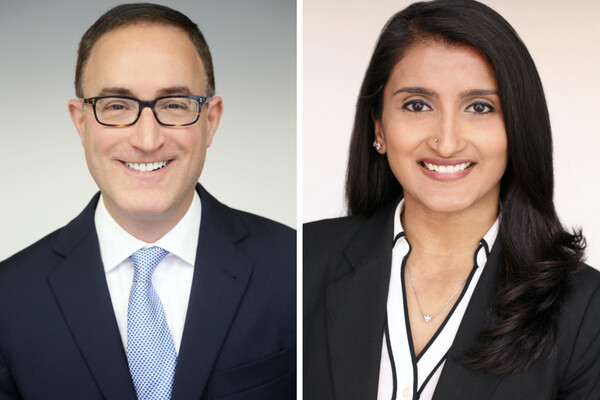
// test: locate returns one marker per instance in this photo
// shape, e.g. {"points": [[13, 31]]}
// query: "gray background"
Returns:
{"points": [[251, 164]]}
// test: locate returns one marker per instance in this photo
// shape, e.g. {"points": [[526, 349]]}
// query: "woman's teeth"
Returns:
{"points": [[447, 169]]}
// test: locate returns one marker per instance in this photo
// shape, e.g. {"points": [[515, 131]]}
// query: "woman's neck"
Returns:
{"points": [[444, 243]]}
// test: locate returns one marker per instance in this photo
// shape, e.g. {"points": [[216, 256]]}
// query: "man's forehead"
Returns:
{"points": [[146, 36], [131, 56], [136, 29]]}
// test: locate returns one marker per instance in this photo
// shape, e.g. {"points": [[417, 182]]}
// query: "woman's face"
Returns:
{"points": [[443, 130]]}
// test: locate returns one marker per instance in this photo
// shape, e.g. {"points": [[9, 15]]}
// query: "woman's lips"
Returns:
{"points": [[446, 170]]}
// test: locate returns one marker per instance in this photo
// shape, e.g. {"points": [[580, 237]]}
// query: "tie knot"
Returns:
{"points": [[145, 261]]}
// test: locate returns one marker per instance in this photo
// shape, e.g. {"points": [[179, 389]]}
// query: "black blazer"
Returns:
{"points": [[347, 263], [59, 338]]}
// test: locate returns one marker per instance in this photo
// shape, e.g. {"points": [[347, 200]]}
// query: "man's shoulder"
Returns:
{"points": [[23, 276], [261, 225], [227, 218], [267, 240], [40, 250], [43, 255], [269, 246]]}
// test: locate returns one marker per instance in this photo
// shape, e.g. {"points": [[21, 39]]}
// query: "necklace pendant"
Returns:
{"points": [[427, 318]]}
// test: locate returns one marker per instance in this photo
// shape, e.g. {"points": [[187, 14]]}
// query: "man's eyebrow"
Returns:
{"points": [[117, 91], [120, 91], [173, 90], [415, 90]]}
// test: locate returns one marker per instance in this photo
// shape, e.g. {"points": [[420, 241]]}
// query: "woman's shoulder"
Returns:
{"points": [[330, 236], [585, 286], [341, 230], [582, 301], [332, 225], [579, 335], [581, 311]]}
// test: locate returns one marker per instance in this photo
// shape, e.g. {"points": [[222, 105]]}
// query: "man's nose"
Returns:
{"points": [[147, 134]]}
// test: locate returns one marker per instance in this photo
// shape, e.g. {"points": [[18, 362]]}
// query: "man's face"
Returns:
{"points": [[145, 61]]}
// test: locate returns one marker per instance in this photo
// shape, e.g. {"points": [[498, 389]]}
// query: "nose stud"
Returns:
{"points": [[435, 140]]}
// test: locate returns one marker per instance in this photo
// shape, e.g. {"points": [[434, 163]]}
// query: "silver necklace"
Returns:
{"points": [[429, 317]]}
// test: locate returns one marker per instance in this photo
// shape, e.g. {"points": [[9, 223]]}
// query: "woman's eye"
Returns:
{"points": [[416, 106], [480, 108]]}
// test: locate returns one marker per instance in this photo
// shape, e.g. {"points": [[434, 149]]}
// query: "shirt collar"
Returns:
{"points": [[481, 254], [116, 244]]}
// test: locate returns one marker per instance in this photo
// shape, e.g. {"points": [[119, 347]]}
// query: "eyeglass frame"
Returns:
{"points": [[143, 104]]}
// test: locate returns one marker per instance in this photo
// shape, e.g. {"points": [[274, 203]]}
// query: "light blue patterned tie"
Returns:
{"points": [[150, 349]]}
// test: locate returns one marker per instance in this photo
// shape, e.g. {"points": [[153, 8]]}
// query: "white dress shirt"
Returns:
{"points": [[172, 278], [417, 377]]}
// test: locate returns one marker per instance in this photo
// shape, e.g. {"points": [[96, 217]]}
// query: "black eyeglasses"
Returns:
{"points": [[122, 111]]}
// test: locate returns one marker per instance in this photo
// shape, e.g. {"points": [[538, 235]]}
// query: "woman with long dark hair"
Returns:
{"points": [[452, 277]]}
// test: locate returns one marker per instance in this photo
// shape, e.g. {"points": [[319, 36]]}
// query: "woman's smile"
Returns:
{"points": [[446, 170]]}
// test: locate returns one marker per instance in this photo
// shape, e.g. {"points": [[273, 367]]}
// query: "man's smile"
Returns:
{"points": [[147, 167]]}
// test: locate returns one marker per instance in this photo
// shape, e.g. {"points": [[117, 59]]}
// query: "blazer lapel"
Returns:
{"points": [[221, 274], [481, 385], [79, 286], [356, 309]]}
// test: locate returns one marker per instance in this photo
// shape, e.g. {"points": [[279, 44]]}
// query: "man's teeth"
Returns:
{"points": [[146, 167], [447, 169]]}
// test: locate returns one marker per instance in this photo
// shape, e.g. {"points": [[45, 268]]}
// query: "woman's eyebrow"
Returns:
{"points": [[415, 90], [464, 94], [479, 92]]}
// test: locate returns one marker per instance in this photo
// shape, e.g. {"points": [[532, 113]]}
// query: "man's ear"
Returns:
{"points": [[214, 110], [76, 112], [379, 134]]}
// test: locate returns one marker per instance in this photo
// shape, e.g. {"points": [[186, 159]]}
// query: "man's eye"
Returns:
{"points": [[416, 106], [115, 107], [480, 108], [175, 106]]}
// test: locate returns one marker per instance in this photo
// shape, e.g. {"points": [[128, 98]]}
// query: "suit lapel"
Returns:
{"points": [[480, 385], [79, 286], [356, 309], [221, 274]]}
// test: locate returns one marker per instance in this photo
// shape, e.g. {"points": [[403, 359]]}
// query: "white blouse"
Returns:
{"points": [[402, 375]]}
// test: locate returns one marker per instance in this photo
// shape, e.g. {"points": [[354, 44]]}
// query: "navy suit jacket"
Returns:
{"points": [[59, 337], [347, 264]]}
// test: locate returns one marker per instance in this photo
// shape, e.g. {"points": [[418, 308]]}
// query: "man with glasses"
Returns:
{"points": [[156, 290]]}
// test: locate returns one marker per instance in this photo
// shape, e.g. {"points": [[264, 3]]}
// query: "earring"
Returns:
{"points": [[377, 145]]}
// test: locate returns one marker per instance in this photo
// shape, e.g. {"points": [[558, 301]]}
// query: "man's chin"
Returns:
{"points": [[137, 207]]}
